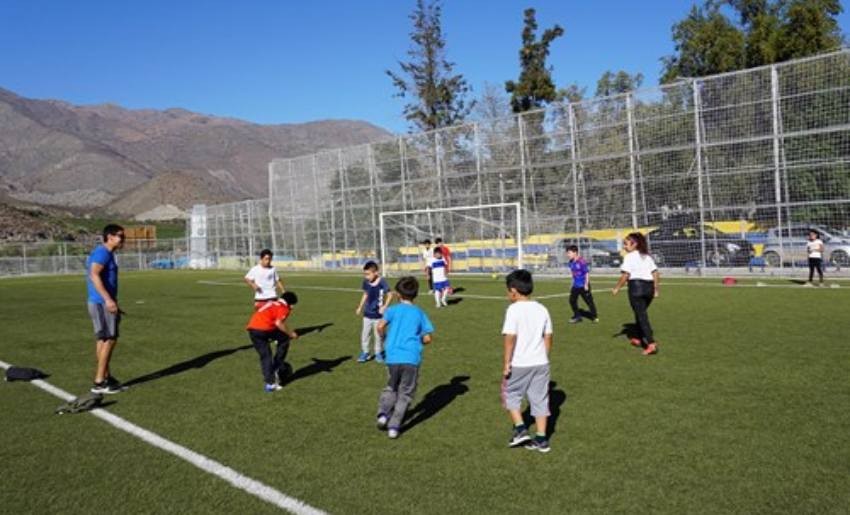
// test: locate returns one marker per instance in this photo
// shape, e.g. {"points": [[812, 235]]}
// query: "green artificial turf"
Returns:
{"points": [[743, 410]]}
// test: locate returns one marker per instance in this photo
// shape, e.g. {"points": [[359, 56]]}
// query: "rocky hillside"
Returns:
{"points": [[129, 162]]}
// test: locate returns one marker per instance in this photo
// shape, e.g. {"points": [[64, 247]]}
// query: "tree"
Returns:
{"points": [[809, 27], [706, 42], [535, 87], [611, 83], [428, 77]]}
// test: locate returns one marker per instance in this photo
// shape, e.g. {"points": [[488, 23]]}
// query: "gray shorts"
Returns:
{"points": [[105, 323], [529, 382]]}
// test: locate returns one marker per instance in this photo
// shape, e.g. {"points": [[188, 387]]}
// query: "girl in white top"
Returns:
{"points": [[814, 248], [639, 270], [263, 279]]}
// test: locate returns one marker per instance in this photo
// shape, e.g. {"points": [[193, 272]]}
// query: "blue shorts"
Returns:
{"points": [[442, 285]]}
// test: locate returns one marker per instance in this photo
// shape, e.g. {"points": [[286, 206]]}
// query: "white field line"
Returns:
{"points": [[200, 461]]}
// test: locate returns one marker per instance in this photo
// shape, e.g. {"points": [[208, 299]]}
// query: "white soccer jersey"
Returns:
{"points": [[438, 270], [266, 279]]}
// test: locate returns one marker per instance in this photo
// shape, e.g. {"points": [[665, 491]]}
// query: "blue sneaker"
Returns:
{"points": [[363, 358], [379, 357], [271, 388]]}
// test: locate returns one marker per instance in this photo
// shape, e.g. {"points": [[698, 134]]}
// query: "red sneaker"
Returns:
{"points": [[635, 341], [650, 349]]}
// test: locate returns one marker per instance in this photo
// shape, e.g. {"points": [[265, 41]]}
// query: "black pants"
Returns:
{"points": [[262, 343], [815, 264], [641, 294], [430, 280], [587, 296]]}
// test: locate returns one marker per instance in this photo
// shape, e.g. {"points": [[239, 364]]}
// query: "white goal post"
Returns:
{"points": [[482, 238]]}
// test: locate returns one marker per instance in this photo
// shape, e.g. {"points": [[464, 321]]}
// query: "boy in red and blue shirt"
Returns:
{"points": [[581, 287]]}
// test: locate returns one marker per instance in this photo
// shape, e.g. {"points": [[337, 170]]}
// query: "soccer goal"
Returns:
{"points": [[481, 238]]}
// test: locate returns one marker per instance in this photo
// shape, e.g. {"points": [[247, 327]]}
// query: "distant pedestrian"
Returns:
{"points": [[814, 248]]}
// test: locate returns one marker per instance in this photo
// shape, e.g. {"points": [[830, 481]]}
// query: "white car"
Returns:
{"points": [[794, 239]]}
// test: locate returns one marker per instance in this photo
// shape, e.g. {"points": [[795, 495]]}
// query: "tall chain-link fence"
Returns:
{"points": [[722, 173]]}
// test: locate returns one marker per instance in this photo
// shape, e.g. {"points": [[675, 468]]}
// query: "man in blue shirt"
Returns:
{"points": [[102, 282], [581, 287], [407, 330]]}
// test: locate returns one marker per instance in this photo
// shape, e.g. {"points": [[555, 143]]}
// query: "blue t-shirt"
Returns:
{"points": [[375, 297], [580, 270], [407, 324], [108, 275]]}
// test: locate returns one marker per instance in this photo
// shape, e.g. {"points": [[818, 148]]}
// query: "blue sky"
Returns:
{"points": [[286, 61]]}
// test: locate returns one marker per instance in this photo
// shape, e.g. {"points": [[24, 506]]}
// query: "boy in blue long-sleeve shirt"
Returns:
{"points": [[581, 287]]}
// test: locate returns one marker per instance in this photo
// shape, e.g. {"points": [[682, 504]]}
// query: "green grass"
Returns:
{"points": [[744, 409]]}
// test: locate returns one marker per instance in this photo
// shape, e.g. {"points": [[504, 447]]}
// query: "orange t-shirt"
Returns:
{"points": [[267, 317]]}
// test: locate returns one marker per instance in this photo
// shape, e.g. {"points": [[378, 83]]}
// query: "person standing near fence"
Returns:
{"points": [[427, 256], [814, 248], [102, 285], [639, 270]]}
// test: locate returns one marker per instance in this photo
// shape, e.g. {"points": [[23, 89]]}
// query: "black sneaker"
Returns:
{"points": [[113, 382], [104, 387], [519, 438], [538, 445]]}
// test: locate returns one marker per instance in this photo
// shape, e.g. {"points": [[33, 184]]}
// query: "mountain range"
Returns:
{"points": [[147, 163]]}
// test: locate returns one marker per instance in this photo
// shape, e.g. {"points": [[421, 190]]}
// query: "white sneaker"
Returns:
{"points": [[446, 304], [392, 433], [382, 421]]}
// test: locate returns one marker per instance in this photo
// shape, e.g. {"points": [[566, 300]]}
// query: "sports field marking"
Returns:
{"points": [[202, 462]]}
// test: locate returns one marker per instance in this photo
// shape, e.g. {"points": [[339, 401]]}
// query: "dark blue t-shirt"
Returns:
{"points": [[580, 270], [375, 297], [108, 275], [406, 325]]}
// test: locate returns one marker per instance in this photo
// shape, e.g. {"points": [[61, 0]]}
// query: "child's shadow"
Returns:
{"points": [[630, 330], [434, 401], [318, 366], [557, 398]]}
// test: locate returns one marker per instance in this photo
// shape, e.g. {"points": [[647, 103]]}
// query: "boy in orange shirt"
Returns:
{"points": [[269, 323]]}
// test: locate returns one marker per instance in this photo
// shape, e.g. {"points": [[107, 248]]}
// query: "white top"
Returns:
{"points": [[266, 279], [639, 266], [427, 254], [529, 321], [438, 270], [813, 248]]}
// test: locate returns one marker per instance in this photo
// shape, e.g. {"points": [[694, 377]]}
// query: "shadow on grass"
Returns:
{"points": [[458, 290], [316, 367], [198, 362], [434, 401], [557, 398], [452, 302], [313, 328]]}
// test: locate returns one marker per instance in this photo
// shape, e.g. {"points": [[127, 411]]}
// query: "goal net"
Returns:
{"points": [[481, 238]]}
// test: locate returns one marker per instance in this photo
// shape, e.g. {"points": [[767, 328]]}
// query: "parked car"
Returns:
{"points": [[676, 242], [793, 249], [597, 253]]}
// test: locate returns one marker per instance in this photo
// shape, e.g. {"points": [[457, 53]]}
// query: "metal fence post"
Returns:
{"points": [[632, 178], [774, 96], [698, 138]]}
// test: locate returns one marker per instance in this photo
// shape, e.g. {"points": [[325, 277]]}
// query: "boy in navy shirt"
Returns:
{"points": [[376, 297], [581, 286], [407, 330]]}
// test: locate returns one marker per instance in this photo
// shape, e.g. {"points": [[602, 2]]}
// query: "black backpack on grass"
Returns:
{"points": [[24, 374]]}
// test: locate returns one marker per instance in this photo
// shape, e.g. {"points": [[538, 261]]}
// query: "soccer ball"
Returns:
{"points": [[494, 275]]}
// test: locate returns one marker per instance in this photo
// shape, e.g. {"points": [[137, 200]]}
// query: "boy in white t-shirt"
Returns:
{"points": [[527, 335], [263, 280]]}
